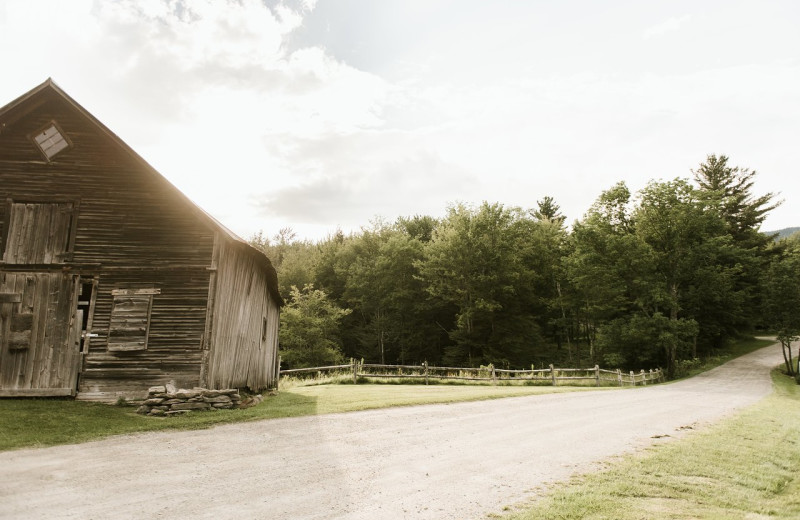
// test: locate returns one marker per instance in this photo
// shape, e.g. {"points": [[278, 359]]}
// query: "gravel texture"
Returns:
{"points": [[455, 461]]}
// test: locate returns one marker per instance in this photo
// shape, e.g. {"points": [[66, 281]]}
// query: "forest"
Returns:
{"points": [[657, 278]]}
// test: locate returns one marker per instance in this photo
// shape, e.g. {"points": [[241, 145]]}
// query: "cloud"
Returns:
{"points": [[347, 179], [673, 24], [282, 113], [172, 50], [142, 67]]}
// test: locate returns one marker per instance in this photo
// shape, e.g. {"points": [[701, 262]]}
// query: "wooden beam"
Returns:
{"points": [[10, 297], [135, 292], [37, 392]]}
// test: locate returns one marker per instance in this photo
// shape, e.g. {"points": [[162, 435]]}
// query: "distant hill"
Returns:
{"points": [[784, 233]]}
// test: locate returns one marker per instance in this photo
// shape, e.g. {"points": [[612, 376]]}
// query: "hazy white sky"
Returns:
{"points": [[324, 114]]}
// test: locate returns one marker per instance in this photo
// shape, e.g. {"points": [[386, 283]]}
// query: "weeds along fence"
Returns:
{"points": [[358, 370]]}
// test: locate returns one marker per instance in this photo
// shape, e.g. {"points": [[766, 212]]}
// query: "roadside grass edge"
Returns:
{"points": [[41, 422], [743, 467]]}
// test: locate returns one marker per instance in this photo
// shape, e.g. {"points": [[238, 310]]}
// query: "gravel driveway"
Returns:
{"points": [[456, 461]]}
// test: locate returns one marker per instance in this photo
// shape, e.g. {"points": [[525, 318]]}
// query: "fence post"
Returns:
{"points": [[633, 378], [494, 374], [644, 378], [425, 364], [355, 370], [278, 375], [619, 377], [651, 375], [597, 375], [553, 374]]}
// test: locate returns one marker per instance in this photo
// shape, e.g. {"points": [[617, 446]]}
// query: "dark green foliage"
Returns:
{"points": [[418, 227], [729, 191], [547, 209], [782, 299], [670, 257], [476, 263], [295, 261], [657, 278], [393, 319], [731, 188], [642, 340], [310, 329]]}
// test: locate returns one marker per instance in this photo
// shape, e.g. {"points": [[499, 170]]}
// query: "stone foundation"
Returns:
{"points": [[167, 400]]}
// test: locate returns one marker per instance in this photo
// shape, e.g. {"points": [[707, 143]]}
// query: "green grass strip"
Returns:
{"points": [[48, 422], [744, 468]]}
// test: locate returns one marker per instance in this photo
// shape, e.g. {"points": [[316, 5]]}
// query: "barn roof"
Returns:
{"points": [[40, 94]]}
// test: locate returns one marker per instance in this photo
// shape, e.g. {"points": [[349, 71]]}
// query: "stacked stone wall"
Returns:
{"points": [[167, 400]]}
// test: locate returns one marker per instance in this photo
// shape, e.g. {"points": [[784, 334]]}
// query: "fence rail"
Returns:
{"points": [[551, 375]]}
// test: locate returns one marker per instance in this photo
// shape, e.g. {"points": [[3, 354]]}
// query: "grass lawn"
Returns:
{"points": [[744, 468], [46, 422]]}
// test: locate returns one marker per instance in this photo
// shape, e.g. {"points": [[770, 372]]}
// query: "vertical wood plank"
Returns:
{"points": [[5, 229], [243, 298]]}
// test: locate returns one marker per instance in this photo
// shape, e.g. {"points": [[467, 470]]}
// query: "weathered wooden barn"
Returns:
{"points": [[112, 280]]}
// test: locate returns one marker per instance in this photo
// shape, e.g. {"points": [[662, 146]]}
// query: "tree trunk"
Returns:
{"points": [[785, 358], [564, 320], [672, 347], [589, 341]]}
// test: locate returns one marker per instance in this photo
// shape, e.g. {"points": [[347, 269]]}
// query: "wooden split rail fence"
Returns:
{"points": [[550, 376]]}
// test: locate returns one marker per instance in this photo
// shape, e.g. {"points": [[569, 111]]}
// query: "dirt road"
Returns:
{"points": [[427, 462]]}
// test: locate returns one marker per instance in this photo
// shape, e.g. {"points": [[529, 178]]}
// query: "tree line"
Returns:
{"points": [[656, 278]]}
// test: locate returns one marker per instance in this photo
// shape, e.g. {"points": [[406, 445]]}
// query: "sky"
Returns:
{"points": [[332, 114]]}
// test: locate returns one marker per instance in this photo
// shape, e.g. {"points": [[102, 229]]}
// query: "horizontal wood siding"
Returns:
{"points": [[128, 215], [132, 230], [241, 355], [173, 351]]}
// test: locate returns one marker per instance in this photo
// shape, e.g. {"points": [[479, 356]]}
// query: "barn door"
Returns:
{"points": [[39, 343], [38, 233]]}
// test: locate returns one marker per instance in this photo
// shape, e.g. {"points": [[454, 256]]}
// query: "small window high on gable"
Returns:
{"points": [[51, 140]]}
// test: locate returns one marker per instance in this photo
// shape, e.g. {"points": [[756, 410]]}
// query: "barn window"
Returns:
{"points": [[38, 233], [51, 140], [129, 326]]}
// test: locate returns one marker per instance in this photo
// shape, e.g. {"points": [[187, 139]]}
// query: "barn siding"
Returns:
{"points": [[41, 353], [134, 230], [239, 356], [174, 344], [128, 215]]}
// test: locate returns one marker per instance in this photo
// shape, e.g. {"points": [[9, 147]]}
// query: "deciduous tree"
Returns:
{"points": [[309, 332], [782, 299]]}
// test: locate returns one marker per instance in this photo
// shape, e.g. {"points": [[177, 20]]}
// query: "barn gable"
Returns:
{"points": [[108, 273]]}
